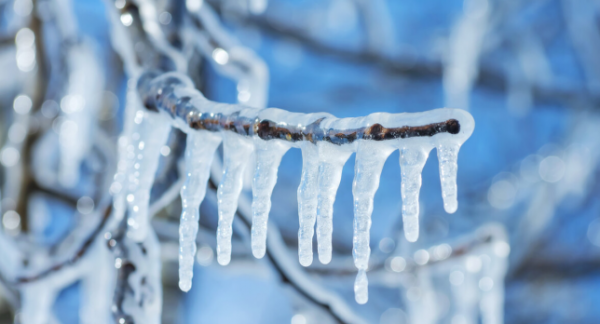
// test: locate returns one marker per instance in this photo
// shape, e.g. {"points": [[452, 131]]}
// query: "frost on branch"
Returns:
{"points": [[326, 143]]}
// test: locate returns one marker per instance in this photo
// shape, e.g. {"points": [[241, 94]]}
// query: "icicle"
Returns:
{"points": [[235, 152], [199, 152], [331, 163], [412, 161], [307, 202], [448, 159], [149, 136], [268, 157], [370, 158]]}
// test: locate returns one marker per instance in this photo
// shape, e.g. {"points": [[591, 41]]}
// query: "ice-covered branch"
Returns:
{"points": [[229, 57], [77, 255], [326, 143], [138, 293]]}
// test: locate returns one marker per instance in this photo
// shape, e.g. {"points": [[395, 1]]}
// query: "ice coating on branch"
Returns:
{"points": [[422, 308], [235, 152], [473, 272], [326, 143], [79, 108], [412, 161], [125, 162], [150, 134], [493, 272], [231, 58], [331, 163], [37, 302], [199, 152]]}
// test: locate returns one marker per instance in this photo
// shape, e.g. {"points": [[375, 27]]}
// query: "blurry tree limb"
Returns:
{"points": [[414, 66]]}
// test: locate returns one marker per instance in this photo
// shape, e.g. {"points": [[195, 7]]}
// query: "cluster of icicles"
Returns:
{"points": [[326, 143]]}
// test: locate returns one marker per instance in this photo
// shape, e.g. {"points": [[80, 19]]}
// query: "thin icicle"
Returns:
{"points": [[235, 152], [448, 159], [199, 152], [268, 157], [149, 136], [412, 161], [307, 202], [370, 158], [331, 163]]}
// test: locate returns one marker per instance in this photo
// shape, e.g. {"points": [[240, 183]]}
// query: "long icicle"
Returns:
{"points": [[235, 152], [331, 164], [307, 203], [370, 159], [199, 152], [268, 158]]}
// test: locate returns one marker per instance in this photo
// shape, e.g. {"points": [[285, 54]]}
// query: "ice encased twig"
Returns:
{"points": [[326, 143], [80, 106]]}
